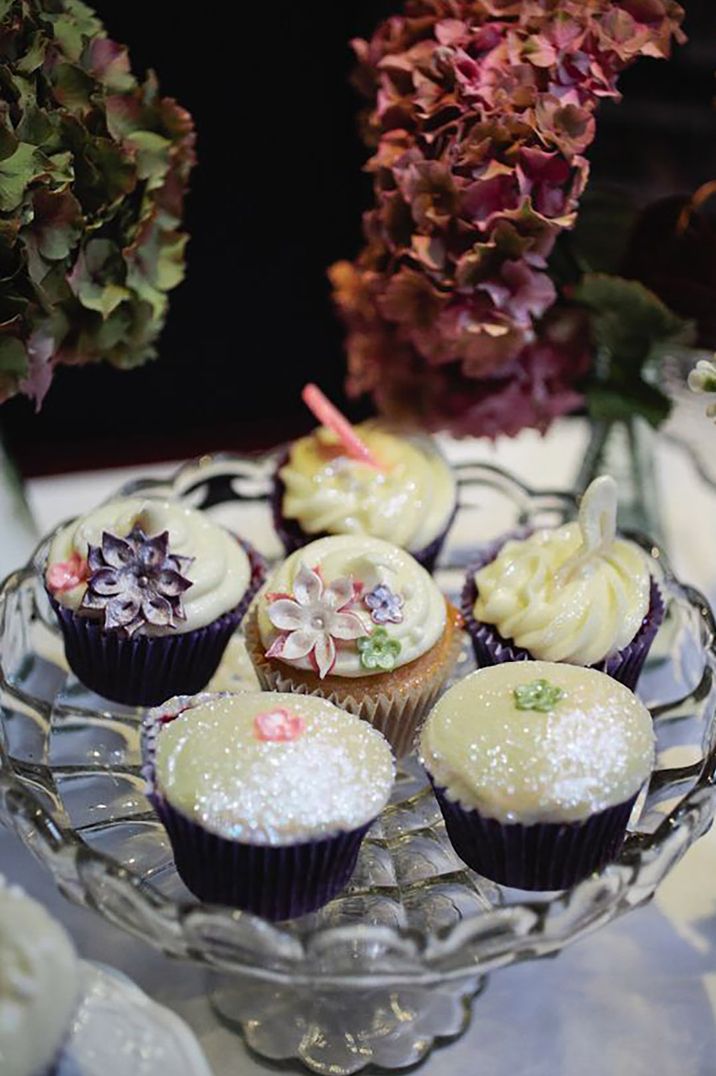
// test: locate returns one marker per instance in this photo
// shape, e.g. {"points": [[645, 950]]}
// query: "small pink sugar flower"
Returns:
{"points": [[278, 726]]}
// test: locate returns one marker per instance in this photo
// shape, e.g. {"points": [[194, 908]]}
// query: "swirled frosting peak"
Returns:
{"points": [[148, 567], [409, 500], [350, 606], [576, 594]]}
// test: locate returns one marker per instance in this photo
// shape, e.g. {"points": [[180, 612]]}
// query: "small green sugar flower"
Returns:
{"points": [[538, 695], [378, 650]]}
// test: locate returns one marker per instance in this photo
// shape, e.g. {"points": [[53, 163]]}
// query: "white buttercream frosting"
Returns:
{"points": [[593, 749], [577, 593], [408, 501], [367, 563], [39, 984], [317, 771], [220, 571]]}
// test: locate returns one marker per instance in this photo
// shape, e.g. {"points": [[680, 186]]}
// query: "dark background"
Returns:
{"points": [[276, 197]]}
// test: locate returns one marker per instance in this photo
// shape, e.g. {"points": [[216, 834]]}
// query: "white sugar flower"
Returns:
{"points": [[703, 377], [313, 619]]}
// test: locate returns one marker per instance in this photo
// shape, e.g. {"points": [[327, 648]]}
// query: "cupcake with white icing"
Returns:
{"points": [[357, 621], [39, 985], [409, 499], [578, 593], [537, 767], [266, 797], [148, 593]]}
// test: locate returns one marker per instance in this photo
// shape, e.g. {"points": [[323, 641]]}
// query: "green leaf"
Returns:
{"points": [[16, 172], [628, 320], [622, 403], [13, 357], [604, 224]]}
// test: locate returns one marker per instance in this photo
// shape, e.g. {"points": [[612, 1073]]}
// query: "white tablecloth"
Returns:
{"points": [[636, 999]]}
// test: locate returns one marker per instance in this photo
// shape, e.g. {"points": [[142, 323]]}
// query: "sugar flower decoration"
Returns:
{"points": [[538, 695], [135, 582], [313, 619], [378, 650], [67, 574], [702, 379], [385, 606], [278, 726]]}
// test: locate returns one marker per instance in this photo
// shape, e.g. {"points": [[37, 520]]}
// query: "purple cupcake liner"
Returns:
{"points": [[543, 856], [144, 670], [294, 537], [492, 649], [276, 882]]}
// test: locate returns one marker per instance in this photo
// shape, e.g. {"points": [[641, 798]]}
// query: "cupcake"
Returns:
{"points": [[265, 798], [359, 622], [410, 499], [578, 594], [147, 593], [536, 767], [39, 985]]}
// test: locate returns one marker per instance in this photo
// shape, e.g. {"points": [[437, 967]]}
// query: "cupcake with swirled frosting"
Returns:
{"points": [[537, 767], [265, 797], [357, 621], [411, 500], [148, 593], [579, 594], [39, 985]]}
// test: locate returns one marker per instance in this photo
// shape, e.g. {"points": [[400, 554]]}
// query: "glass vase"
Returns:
{"points": [[19, 532]]}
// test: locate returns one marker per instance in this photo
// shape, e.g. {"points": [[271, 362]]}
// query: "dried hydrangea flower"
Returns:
{"points": [[480, 115], [135, 582]]}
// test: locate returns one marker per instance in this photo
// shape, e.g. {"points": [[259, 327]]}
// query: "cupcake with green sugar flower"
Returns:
{"points": [[580, 593], [359, 622]]}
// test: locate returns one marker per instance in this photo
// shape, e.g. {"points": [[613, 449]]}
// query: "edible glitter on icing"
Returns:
{"points": [[278, 726], [538, 695], [210, 765], [592, 751], [378, 650], [386, 607]]}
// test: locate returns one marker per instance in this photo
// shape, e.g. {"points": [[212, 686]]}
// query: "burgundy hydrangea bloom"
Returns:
{"points": [[481, 111], [135, 582]]}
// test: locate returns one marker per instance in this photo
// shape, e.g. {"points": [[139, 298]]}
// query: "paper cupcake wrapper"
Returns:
{"points": [[398, 713], [144, 670], [492, 649], [294, 537], [274, 882], [543, 856]]}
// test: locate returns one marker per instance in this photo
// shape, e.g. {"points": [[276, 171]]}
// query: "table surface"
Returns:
{"points": [[636, 999]]}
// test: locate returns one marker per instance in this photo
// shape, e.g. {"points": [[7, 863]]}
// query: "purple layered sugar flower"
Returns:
{"points": [[386, 607], [136, 582]]}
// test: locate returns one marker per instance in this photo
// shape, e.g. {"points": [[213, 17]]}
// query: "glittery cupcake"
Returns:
{"points": [[578, 594], [39, 985], [410, 499], [266, 798], [148, 593], [359, 622], [537, 767]]}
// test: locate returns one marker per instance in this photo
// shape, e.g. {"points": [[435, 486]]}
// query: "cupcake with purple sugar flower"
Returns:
{"points": [[148, 593], [579, 593], [265, 797]]}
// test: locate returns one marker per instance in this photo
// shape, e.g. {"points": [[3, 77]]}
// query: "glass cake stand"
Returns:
{"points": [[393, 963]]}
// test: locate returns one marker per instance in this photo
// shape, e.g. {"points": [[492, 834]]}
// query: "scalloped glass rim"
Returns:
{"points": [[360, 953]]}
